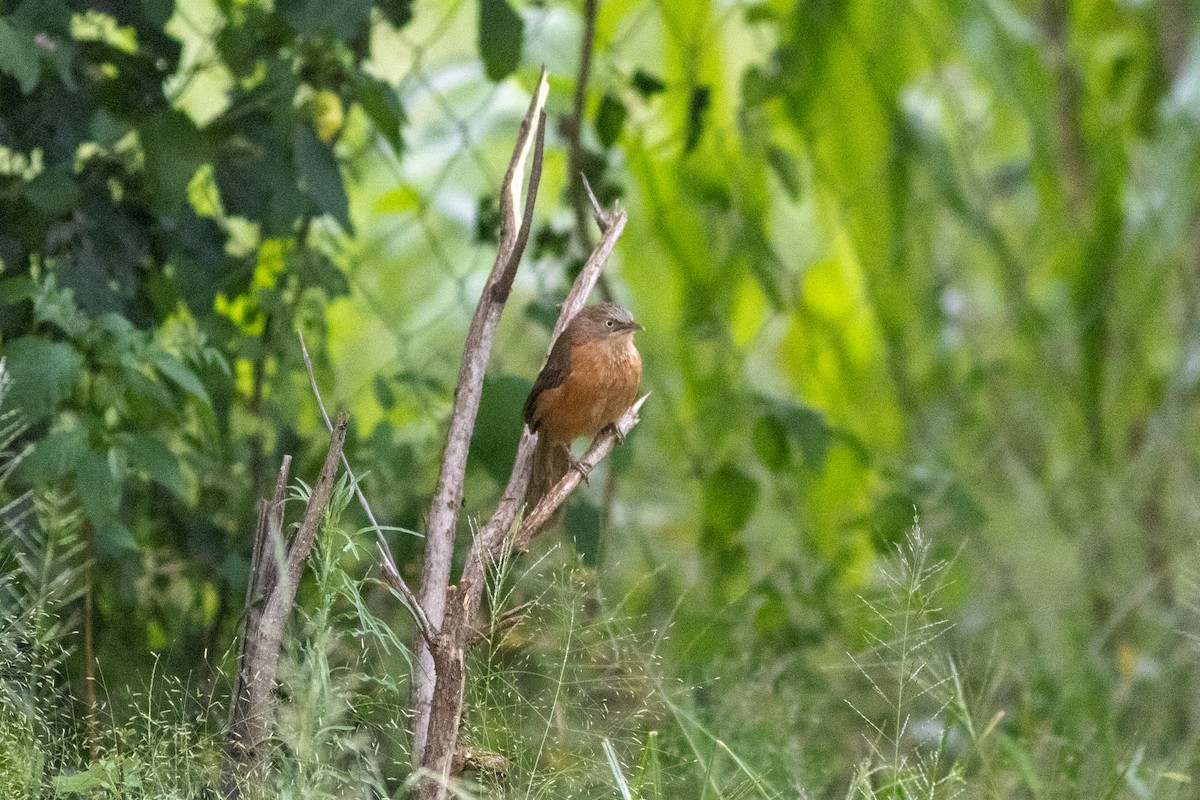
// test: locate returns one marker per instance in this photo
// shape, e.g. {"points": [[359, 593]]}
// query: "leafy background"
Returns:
{"points": [[898, 259]]}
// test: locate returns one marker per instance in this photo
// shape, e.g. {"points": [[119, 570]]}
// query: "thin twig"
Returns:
{"points": [[550, 502], [390, 572], [597, 211]]}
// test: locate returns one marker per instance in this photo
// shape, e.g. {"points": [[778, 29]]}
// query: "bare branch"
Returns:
{"points": [[447, 499], [270, 596], [318, 501], [601, 447], [390, 573], [597, 211], [591, 271]]}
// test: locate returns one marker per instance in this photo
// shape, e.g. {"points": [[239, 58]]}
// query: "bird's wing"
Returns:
{"points": [[558, 366]]}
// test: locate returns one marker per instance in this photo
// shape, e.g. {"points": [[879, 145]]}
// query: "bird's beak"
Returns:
{"points": [[631, 326]]}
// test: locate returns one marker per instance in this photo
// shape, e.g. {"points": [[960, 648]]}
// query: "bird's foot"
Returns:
{"points": [[578, 465], [615, 431]]}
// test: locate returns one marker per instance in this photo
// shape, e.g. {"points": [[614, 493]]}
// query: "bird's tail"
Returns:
{"points": [[550, 463]]}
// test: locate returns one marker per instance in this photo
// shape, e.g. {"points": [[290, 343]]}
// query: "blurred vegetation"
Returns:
{"points": [[927, 259]]}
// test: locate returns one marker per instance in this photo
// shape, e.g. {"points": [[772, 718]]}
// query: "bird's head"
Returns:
{"points": [[603, 321]]}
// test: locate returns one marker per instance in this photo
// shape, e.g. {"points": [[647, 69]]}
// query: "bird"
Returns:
{"points": [[589, 380]]}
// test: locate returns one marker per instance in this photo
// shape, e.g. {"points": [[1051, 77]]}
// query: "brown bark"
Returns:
{"points": [[275, 571], [441, 524], [439, 677]]}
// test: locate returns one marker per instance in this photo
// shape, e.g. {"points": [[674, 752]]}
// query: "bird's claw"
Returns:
{"points": [[578, 465], [615, 431], [583, 469]]}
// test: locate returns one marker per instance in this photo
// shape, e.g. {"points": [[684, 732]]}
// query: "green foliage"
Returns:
{"points": [[935, 257], [500, 35]]}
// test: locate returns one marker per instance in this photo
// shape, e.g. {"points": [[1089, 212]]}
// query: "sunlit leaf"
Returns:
{"points": [[398, 200]]}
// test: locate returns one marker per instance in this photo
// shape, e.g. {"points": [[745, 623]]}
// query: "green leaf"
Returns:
{"points": [[805, 426], [314, 268], [43, 375], [382, 104], [770, 440], [86, 782], [786, 169], [582, 524], [113, 539], [174, 149], [647, 85], [500, 35], [383, 392], [53, 192], [398, 12], [342, 20], [53, 457], [149, 455], [397, 201], [19, 56], [891, 519], [811, 432], [180, 375], [698, 106], [142, 391], [498, 427], [610, 119], [17, 289], [321, 177], [99, 492], [730, 498]]}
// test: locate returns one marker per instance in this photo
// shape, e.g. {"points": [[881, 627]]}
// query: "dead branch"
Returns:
{"points": [[447, 499], [550, 502], [572, 129], [275, 575], [439, 674], [441, 757]]}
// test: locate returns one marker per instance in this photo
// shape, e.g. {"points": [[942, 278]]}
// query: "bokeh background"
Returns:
{"points": [[912, 507]]}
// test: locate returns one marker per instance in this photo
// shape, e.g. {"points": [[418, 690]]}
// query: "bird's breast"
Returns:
{"points": [[601, 385]]}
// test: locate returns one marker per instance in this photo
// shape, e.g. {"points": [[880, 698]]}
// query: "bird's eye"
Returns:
{"points": [[608, 323]]}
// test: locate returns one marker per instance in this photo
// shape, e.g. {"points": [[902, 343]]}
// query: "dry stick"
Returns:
{"points": [[265, 560], [442, 757], [550, 502], [390, 572], [251, 717], [443, 512]]}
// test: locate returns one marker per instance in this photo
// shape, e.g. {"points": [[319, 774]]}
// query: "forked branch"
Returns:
{"points": [[441, 523]]}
